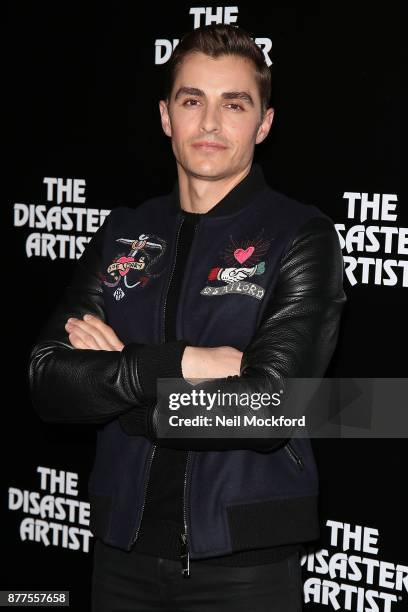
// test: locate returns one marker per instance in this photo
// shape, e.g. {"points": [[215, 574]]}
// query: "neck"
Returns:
{"points": [[199, 195]]}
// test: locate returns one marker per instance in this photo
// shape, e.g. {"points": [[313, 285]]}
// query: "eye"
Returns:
{"points": [[189, 100], [238, 106]]}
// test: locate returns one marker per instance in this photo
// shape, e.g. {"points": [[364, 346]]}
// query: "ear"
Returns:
{"points": [[165, 117], [265, 126]]}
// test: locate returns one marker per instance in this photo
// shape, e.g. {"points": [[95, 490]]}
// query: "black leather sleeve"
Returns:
{"points": [[297, 335], [69, 385]]}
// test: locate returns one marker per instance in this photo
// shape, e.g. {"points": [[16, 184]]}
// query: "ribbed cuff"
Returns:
{"points": [[159, 361], [134, 422], [153, 362]]}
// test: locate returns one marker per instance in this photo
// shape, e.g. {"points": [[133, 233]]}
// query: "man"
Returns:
{"points": [[224, 278]]}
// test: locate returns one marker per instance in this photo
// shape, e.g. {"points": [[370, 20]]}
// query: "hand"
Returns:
{"points": [[92, 333], [214, 362], [230, 275]]}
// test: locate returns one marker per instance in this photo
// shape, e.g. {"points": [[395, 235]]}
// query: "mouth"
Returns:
{"points": [[209, 146]]}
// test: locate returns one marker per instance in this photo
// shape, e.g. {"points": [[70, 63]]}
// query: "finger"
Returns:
{"points": [[101, 332], [105, 329], [88, 335], [77, 341], [98, 334]]}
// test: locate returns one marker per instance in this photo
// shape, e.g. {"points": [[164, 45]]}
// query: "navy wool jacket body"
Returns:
{"points": [[265, 277]]}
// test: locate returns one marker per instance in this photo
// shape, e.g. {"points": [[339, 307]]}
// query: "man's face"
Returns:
{"points": [[214, 101]]}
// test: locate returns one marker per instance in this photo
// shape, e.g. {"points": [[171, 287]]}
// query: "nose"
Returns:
{"points": [[210, 118]]}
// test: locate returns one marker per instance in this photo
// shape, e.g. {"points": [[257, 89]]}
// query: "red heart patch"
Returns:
{"points": [[242, 255], [124, 260]]}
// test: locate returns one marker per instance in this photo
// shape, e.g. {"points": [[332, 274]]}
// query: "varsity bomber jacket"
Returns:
{"points": [[265, 276]]}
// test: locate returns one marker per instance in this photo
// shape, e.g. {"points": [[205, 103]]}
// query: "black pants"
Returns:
{"points": [[133, 581]]}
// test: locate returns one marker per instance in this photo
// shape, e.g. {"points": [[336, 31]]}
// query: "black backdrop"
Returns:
{"points": [[83, 95]]}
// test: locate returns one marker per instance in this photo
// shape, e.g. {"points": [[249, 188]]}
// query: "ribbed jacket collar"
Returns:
{"points": [[239, 197]]}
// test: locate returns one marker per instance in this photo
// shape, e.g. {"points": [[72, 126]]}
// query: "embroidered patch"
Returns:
{"points": [[135, 267], [248, 253]]}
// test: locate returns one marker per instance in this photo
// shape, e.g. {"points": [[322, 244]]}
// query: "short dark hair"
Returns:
{"points": [[216, 40]]}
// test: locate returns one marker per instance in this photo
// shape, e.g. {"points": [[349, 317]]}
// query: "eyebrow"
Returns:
{"points": [[227, 95]]}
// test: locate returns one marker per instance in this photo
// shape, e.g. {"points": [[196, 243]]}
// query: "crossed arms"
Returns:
{"points": [[296, 338]]}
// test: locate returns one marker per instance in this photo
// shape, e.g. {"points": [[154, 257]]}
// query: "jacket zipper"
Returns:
{"points": [[144, 493], [294, 456], [154, 446], [170, 279], [185, 553]]}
